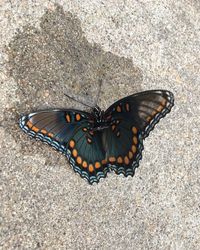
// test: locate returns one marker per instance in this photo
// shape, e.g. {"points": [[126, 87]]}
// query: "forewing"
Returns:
{"points": [[54, 127], [144, 109]]}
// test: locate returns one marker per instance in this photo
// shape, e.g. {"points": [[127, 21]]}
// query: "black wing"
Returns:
{"points": [[133, 118], [69, 131]]}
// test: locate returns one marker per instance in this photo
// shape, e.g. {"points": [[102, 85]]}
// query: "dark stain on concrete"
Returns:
{"points": [[57, 59]]}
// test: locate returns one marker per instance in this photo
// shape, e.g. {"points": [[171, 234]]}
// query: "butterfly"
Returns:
{"points": [[101, 141]]}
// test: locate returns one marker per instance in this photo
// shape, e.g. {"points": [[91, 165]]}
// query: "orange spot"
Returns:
{"points": [[127, 107], [154, 113], [148, 119], [35, 129], [97, 164], [118, 134], [134, 130], [113, 127], [43, 131], [160, 108], [104, 161], [72, 144], [74, 152], [164, 102], [29, 124], [79, 160], [89, 140], [84, 129], [84, 164], [133, 148], [91, 132], [126, 160], [135, 140], [91, 168], [112, 159], [119, 109], [78, 117], [119, 159], [130, 155], [68, 118], [50, 135]]}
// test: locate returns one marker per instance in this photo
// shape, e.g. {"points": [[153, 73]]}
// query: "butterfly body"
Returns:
{"points": [[98, 142], [98, 119]]}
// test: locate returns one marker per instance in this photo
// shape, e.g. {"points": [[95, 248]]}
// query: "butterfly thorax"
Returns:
{"points": [[99, 120]]}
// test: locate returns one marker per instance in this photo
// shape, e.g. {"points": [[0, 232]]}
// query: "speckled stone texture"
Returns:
{"points": [[49, 48]]}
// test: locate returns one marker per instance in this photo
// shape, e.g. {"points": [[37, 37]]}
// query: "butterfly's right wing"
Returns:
{"points": [[132, 119]]}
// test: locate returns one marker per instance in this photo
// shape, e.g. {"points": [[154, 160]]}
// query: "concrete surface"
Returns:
{"points": [[50, 49]]}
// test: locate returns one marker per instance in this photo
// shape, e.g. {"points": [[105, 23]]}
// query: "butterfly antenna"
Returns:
{"points": [[71, 97]]}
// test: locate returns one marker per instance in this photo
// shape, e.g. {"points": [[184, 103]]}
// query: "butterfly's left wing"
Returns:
{"points": [[133, 118], [69, 132]]}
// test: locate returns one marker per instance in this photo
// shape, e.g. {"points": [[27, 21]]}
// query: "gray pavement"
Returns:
{"points": [[50, 49]]}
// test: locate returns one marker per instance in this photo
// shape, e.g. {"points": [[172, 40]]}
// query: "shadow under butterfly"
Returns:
{"points": [[98, 142]]}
